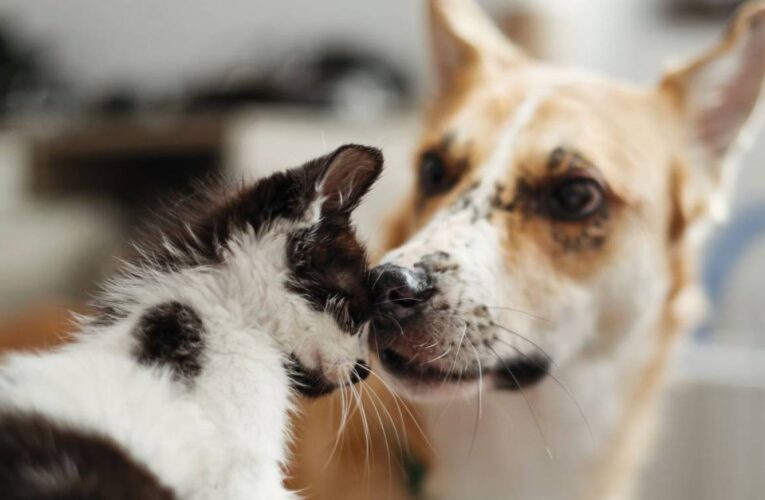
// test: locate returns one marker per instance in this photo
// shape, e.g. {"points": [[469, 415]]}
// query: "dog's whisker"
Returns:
{"points": [[521, 311], [451, 370], [445, 353], [402, 299], [562, 385], [526, 339], [459, 346], [377, 279], [429, 346], [398, 325], [480, 397], [528, 403]]}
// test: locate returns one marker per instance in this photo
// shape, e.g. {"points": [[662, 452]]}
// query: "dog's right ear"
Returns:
{"points": [[464, 38]]}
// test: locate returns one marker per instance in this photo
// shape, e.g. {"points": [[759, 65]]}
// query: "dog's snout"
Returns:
{"points": [[398, 291]]}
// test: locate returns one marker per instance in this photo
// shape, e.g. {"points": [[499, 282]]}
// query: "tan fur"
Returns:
{"points": [[638, 140]]}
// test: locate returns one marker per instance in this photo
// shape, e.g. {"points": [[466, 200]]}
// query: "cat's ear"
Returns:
{"points": [[348, 174]]}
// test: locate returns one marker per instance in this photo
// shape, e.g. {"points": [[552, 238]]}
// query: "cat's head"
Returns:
{"points": [[301, 220]]}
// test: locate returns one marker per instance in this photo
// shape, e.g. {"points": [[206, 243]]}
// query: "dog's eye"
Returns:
{"points": [[575, 198], [434, 176]]}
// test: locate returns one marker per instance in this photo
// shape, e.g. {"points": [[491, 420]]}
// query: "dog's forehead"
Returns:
{"points": [[623, 131]]}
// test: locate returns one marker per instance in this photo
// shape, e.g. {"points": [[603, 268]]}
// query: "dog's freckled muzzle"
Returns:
{"points": [[421, 337]]}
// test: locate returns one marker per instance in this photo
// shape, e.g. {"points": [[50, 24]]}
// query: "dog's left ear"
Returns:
{"points": [[463, 38], [349, 173], [716, 95]]}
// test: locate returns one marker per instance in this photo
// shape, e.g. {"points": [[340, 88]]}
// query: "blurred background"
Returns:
{"points": [[109, 109]]}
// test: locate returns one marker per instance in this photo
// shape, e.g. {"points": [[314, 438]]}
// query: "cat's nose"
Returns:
{"points": [[360, 371], [400, 292]]}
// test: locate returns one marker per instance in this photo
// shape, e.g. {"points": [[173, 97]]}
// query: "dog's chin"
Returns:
{"points": [[424, 383], [402, 364]]}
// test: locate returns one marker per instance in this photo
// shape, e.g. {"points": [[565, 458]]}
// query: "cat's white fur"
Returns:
{"points": [[224, 435]]}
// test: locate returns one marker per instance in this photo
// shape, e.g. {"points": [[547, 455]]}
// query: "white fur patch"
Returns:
{"points": [[224, 434]]}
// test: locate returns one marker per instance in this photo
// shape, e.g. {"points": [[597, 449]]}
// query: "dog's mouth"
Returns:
{"points": [[508, 374], [403, 367]]}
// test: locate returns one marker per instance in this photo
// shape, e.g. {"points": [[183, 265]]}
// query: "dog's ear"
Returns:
{"points": [[463, 37], [348, 174], [716, 95]]}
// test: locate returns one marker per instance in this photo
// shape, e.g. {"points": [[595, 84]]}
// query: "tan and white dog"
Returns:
{"points": [[544, 266]]}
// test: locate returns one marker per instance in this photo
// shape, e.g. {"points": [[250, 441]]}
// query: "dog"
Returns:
{"points": [[544, 266], [180, 384]]}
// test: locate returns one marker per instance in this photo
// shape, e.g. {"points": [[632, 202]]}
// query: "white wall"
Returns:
{"points": [[162, 44]]}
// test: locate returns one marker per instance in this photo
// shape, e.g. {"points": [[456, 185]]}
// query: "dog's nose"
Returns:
{"points": [[399, 292]]}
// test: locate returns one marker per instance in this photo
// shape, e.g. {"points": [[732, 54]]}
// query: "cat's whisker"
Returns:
{"points": [[368, 444], [344, 419], [396, 398], [384, 433], [408, 412]]}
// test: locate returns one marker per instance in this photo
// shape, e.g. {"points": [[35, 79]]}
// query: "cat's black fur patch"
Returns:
{"points": [[202, 225], [42, 460], [328, 264], [171, 334], [326, 260]]}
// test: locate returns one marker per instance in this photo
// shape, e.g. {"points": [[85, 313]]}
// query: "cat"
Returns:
{"points": [[181, 382]]}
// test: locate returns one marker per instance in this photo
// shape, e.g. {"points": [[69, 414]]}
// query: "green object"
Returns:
{"points": [[415, 473]]}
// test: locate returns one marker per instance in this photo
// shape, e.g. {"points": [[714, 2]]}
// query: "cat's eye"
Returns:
{"points": [[434, 175], [575, 198]]}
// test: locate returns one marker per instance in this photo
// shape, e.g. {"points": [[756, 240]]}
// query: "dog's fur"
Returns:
{"points": [[558, 219], [180, 385]]}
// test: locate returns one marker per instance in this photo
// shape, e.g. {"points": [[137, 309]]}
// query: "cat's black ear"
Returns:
{"points": [[348, 174]]}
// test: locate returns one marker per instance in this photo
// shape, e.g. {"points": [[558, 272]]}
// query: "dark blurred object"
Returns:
{"points": [[26, 83], [137, 163], [702, 8], [339, 77], [117, 102]]}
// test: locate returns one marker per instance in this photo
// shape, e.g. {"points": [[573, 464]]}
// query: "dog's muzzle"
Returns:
{"points": [[416, 333]]}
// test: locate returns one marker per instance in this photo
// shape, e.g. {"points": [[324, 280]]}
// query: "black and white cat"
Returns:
{"points": [[180, 386]]}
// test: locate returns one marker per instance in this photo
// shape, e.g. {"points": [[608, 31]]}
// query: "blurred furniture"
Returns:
{"points": [[133, 161]]}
